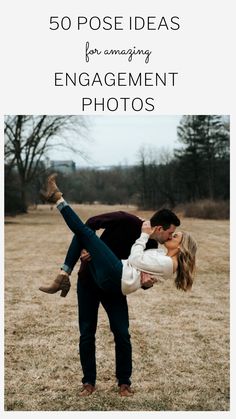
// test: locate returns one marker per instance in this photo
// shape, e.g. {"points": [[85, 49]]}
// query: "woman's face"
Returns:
{"points": [[174, 243]]}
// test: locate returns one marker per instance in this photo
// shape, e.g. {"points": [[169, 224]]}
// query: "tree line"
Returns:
{"points": [[197, 169]]}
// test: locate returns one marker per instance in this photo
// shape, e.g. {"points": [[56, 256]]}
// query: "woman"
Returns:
{"points": [[109, 272]]}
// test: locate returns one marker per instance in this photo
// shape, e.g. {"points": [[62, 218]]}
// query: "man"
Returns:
{"points": [[121, 230]]}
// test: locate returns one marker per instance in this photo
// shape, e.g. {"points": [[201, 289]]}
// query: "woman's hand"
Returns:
{"points": [[147, 228], [147, 280]]}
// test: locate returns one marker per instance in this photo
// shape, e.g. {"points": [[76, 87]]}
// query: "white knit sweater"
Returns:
{"points": [[152, 261]]}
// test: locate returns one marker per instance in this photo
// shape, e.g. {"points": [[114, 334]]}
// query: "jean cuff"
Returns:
{"points": [[66, 268], [62, 205]]}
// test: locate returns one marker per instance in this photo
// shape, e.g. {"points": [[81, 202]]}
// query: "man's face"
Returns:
{"points": [[162, 235]]}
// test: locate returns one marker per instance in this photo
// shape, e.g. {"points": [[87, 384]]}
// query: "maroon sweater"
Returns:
{"points": [[121, 230]]}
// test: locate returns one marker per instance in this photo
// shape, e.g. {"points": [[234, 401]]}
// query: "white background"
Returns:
{"points": [[202, 51]]}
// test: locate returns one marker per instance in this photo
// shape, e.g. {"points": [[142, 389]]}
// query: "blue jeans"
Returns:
{"points": [[72, 255], [105, 267]]}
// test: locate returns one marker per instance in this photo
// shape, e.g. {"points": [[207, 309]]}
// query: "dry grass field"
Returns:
{"points": [[180, 340]]}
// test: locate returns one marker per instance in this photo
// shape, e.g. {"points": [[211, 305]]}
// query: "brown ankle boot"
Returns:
{"points": [[52, 193], [61, 283]]}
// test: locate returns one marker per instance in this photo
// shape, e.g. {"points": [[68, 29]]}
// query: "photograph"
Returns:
{"points": [[117, 262]]}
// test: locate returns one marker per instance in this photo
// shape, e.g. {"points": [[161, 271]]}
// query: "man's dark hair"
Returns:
{"points": [[164, 218]]}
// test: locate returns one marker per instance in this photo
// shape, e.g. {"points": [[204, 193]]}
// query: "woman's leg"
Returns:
{"points": [[72, 255], [105, 266], [62, 281]]}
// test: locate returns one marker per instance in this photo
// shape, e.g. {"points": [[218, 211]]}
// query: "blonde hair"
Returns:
{"points": [[186, 263]]}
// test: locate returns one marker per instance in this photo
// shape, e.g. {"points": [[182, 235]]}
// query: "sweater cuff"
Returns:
{"points": [[144, 236]]}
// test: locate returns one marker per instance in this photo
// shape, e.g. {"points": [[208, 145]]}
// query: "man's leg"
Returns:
{"points": [[117, 311], [88, 303]]}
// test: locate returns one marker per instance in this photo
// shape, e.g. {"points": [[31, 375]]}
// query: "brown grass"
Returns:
{"points": [[180, 340]]}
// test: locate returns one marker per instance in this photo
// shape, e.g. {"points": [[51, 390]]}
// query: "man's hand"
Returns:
{"points": [[85, 256], [146, 280]]}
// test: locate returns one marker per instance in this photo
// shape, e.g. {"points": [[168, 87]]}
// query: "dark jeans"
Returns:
{"points": [[105, 267], [115, 305], [72, 255], [102, 284]]}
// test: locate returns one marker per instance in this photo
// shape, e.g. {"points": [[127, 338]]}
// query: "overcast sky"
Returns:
{"points": [[116, 140]]}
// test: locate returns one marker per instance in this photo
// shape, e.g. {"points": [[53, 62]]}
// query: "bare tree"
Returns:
{"points": [[28, 138]]}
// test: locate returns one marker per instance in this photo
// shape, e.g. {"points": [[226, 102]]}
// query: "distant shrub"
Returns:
{"points": [[207, 209]]}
